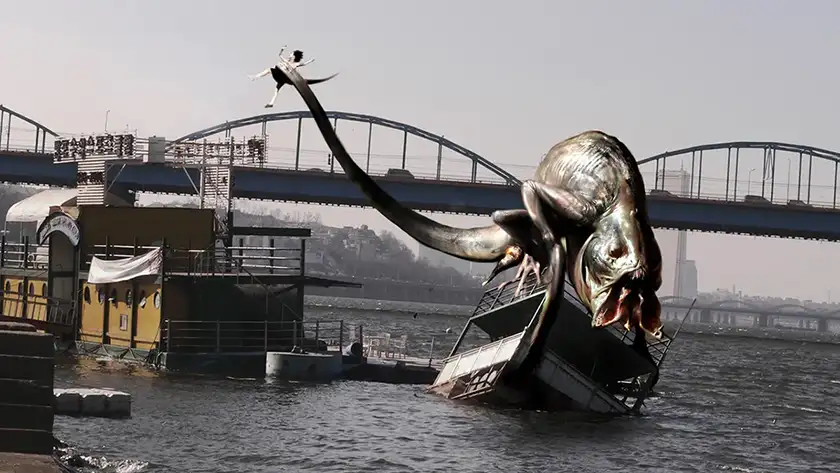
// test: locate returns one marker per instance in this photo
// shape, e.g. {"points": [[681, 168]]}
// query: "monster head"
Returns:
{"points": [[618, 271]]}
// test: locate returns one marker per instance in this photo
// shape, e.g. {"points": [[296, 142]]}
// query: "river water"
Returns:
{"points": [[726, 404]]}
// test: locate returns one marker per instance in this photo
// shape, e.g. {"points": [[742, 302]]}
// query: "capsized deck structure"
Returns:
{"points": [[606, 371]]}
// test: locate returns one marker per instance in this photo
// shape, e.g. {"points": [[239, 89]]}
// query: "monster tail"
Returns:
{"points": [[481, 244]]}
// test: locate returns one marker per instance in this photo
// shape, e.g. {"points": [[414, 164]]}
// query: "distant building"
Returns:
{"points": [[688, 280]]}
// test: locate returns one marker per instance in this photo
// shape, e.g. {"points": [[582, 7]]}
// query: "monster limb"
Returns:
{"points": [[480, 244], [515, 223]]}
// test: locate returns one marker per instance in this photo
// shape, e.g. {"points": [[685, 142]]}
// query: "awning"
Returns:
{"points": [[36, 208]]}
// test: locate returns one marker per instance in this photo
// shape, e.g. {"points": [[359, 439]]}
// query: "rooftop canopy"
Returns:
{"points": [[36, 208]]}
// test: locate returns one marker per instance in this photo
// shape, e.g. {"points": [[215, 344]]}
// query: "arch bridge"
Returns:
{"points": [[750, 307], [8, 122], [744, 187]]}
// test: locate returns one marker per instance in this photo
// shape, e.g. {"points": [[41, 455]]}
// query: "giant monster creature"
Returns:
{"points": [[585, 214]]}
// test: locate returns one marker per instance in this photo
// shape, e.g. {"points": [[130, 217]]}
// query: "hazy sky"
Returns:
{"points": [[505, 79]]}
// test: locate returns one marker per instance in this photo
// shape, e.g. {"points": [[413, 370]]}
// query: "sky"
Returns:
{"points": [[505, 79]]}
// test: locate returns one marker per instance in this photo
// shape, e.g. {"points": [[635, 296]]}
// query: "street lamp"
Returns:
{"points": [[788, 180], [749, 181]]}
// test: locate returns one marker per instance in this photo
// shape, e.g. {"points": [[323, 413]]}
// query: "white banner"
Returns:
{"points": [[105, 271]]}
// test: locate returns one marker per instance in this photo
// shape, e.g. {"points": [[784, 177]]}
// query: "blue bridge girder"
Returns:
{"points": [[761, 215], [320, 187]]}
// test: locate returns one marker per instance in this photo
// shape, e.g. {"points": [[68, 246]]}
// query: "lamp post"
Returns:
{"points": [[749, 181]]}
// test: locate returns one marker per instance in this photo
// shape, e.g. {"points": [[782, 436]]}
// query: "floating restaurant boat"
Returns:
{"points": [[607, 371], [180, 288]]}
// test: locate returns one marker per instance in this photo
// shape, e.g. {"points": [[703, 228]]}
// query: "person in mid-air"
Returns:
{"points": [[295, 60]]}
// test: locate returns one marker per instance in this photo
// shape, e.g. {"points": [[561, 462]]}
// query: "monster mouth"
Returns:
{"points": [[630, 304], [623, 304]]}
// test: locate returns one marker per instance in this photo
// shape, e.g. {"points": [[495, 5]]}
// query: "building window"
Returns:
{"points": [[124, 322], [142, 301], [44, 289], [87, 294], [128, 298], [31, 289], [100, 295], [114, 297], [20, 288], [157, 299], [8, 286]]}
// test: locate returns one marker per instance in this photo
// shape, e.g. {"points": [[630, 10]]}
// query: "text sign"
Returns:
{"points": [[253, 148], [62, 223], [94, 146]]}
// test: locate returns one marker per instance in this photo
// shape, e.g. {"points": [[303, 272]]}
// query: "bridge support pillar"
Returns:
{"points": [[762, 321], [822, 325], [705, 316]]}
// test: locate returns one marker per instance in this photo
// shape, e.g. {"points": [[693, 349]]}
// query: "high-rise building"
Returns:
{"points": [[674, 243]]}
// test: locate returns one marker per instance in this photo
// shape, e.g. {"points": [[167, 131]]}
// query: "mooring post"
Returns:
{"points": [[431, 351], [168, 335]]}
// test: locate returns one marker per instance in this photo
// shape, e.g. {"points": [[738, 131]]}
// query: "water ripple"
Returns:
{"points": [[725, 404]]}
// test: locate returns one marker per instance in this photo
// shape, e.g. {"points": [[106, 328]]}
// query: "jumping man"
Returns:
{"points": [[295, 60]]}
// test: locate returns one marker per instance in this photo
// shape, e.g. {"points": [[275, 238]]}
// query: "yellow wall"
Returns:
{"points": [[32, 291], [36, 300], [12, 297], [119, 314], [93, 315], [148, 317], [119, 329]]}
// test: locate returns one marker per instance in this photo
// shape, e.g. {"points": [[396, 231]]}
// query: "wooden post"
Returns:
{"points": [[341, 335], [218, 336], [265, 336]]}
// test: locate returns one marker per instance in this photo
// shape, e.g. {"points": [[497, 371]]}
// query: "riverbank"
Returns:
{"points": [[457, 315]]}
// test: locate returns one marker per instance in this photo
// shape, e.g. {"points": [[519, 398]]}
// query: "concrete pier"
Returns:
{"points": [[90, 402], [304, 366], [27, 361]]}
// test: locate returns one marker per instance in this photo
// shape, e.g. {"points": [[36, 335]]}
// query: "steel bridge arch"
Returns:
{"points": [[41, 131], [774, 145], [477, 160], [733, 304]]}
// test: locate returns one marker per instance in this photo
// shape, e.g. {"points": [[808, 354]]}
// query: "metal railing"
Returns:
{"points": [[33, 307], [222, 336], [280, 261], [23, 254], [500, 297]]}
